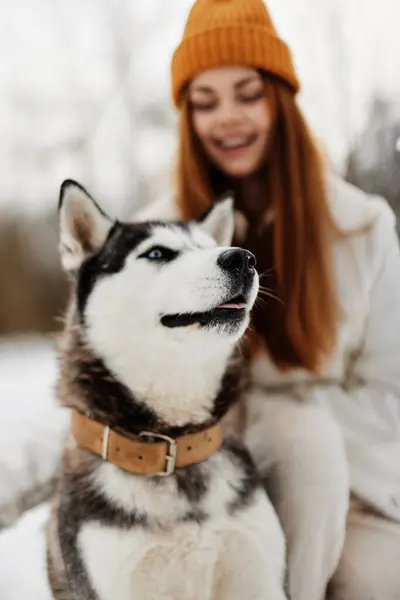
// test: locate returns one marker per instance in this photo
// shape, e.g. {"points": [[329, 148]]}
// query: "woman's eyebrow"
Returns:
{"points": [[238, 85], [243, 82], [202, 88]]}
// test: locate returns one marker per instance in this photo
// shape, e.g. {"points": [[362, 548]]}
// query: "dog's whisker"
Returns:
{"points": [[266, 272], [269, 295], [264, 287], [261, 302]]}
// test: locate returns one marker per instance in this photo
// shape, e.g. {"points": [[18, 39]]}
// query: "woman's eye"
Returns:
{"points": [[252, 97], [202, 106]]}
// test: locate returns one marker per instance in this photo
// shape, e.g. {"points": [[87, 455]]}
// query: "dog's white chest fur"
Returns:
{"points": [[238, 556], [235, 558]]}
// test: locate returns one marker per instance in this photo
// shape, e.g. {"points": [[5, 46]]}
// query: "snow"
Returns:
{"points": [[23, 558], [32, 426], [32, 432]]}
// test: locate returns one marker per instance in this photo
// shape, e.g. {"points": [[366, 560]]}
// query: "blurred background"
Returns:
{"points": [[84, 94]]}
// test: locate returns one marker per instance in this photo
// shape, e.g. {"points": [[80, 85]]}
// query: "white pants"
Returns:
{"points": [[300, 450], [369, 568]]}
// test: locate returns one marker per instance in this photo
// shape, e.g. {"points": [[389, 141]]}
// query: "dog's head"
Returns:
{"points": [[157, 300]]}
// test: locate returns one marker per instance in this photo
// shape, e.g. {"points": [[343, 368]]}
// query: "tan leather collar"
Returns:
{"points": [[137, 454]]}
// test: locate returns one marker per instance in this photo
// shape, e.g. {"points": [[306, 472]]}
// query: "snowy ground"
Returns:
{"points": [[23, 556], [32, 429], [32, 426]]}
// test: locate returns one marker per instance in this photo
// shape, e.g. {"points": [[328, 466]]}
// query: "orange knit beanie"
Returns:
{"points": [[230, 32]]}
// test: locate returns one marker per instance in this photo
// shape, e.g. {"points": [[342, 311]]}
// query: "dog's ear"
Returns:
{"points": [[219, 221], [83, 226]]}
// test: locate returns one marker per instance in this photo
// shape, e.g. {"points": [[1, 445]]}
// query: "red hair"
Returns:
{"points": [[299, 329]]}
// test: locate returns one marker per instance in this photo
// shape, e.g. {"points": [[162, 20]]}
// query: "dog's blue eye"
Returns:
{"points": [[155, 254], [159, 253]]}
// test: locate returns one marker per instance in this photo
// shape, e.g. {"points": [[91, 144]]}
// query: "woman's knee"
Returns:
{"points": [[369, 565], [351, 586], [347, 585]]}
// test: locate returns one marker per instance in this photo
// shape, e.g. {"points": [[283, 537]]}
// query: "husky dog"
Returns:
{"points": [[151, 503]]}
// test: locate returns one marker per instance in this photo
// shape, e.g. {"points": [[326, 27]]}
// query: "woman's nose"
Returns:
{"points": [[228, 112]]}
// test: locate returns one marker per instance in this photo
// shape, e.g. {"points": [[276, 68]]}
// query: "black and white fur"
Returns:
{"points": [[146, 347]]}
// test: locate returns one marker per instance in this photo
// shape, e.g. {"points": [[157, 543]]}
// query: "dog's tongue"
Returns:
{"points": [[237, 306]]}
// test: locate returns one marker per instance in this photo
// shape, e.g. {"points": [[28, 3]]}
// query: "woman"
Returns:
{"points": [[323, 416]]}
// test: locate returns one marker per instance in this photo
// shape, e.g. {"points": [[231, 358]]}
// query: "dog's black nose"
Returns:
{"points": [[237, 259]]}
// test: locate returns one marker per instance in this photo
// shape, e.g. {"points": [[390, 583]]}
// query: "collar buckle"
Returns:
{"points": [[170, 458]]}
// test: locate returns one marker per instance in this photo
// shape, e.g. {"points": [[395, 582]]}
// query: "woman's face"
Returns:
{"points": [[231, 118]]}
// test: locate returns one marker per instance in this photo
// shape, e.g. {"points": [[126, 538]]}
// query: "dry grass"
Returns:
{"points": [[33, 289]]}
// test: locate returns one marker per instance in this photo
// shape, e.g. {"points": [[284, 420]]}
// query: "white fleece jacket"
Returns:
{"points": [[360, 384]]}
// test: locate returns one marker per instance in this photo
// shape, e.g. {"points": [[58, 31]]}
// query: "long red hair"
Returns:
{"points": [[299, 327]]}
